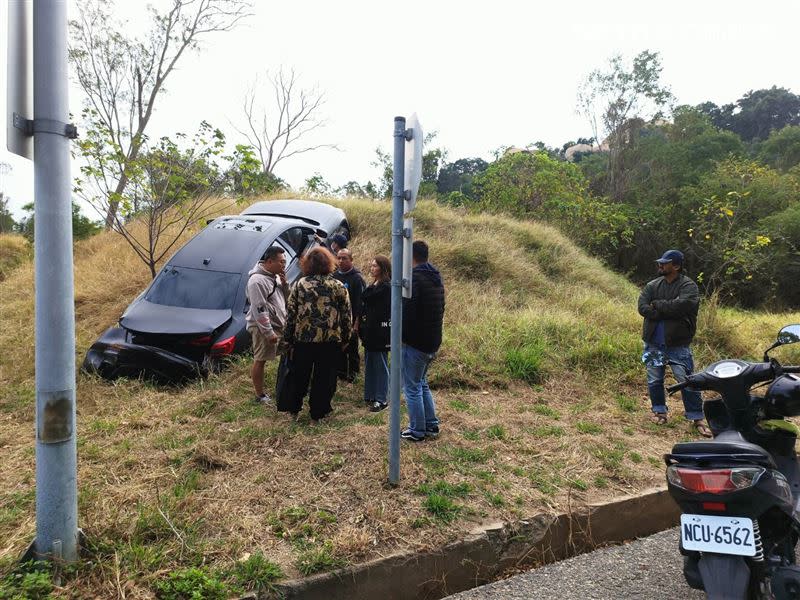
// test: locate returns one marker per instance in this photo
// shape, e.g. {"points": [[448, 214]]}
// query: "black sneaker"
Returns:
{"points": [[432, 432], [377, 406], [409, 435]]}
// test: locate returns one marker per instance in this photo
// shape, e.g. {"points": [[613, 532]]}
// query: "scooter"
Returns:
{"points": [[739, 493]]}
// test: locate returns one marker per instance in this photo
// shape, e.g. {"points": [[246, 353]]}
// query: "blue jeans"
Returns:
{"points": [[679, 358], [376, 376], [421, 407]]}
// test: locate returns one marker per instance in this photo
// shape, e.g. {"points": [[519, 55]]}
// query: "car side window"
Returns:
{"points": [[295, 239]]}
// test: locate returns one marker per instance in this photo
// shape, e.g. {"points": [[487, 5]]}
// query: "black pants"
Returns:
{"points": [[314, 363], [349, 360]]}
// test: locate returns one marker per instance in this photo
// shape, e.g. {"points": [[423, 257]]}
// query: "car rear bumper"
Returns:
{"points": [[112, 357]]}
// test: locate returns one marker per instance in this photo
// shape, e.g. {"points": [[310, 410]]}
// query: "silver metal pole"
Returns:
{"points": [[398, 194], [56, 452]]}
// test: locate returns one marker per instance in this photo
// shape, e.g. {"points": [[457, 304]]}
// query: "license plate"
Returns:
{"points": [[724, 535]]}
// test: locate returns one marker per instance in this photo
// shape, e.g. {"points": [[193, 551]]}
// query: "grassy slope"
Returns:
{"points": [[539, 386], [14, 250]]}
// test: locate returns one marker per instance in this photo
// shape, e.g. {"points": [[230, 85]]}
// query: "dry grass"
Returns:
{"points": [[14, 250], [197, 476]]}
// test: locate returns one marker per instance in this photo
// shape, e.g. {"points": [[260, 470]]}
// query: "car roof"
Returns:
{"points": [[231, 243], [314, 213]]}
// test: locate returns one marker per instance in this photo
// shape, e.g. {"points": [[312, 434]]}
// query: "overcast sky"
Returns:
{"points": [[482, 74]]}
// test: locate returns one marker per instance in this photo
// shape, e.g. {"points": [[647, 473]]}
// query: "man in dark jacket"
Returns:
{"points": [[353, 280], [423, 315], [669, 306]]}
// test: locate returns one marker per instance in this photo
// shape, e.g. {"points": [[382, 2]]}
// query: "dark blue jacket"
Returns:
{"points": [[423, 313]]}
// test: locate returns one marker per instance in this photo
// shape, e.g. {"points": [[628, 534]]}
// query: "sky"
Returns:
{"points": [[481, 74]]}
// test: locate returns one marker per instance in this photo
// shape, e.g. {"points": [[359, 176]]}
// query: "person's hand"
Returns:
{"points": [[273, 339]]}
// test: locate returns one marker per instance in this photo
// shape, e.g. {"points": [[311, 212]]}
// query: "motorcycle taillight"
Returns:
{"points": [[713, 481]]}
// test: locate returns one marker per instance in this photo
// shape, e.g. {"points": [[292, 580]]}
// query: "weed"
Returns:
{"points": [[545, 480], [186, 484], [190, 584], [495, 500], [29, 581], [442, 508], [467, 456], [324, 469], [257, 573], [442, 488], [626, 403], [635, 457], [600, 482], [579, 484], [496, 432], [527, 362], [628, 430], [547, 431], [318, 559], [544, 410], [584, 427], [421, 522], [461, 405], [656, 462], [471, 434]]}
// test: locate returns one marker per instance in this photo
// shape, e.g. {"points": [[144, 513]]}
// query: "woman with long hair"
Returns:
{"points": [[319, 323], [374, 331]]}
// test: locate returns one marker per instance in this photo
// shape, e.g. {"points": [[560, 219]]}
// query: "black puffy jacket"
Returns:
{"points": [[423, 313], [376, 313]]}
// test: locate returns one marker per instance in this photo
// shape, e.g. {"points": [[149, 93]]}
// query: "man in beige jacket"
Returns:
{"points": [[267, 290]]}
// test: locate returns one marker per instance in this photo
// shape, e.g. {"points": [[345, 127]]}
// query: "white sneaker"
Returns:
{"points": [[263, 399]]}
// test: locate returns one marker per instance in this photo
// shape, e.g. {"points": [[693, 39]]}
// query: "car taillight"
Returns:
{"points": [[713, 481], [223, 347], [201, 341]]}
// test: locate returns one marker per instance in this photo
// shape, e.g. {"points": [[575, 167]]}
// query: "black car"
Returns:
{"points": [[193, 313]]}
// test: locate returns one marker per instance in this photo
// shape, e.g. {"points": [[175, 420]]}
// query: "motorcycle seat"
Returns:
{"points": [[726, 443]]}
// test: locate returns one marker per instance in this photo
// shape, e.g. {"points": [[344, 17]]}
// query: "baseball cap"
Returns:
{"points": [[339, 240], [673, 256]]}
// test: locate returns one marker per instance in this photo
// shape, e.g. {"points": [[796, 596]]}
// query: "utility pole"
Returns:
{"points": [[56, 448]]}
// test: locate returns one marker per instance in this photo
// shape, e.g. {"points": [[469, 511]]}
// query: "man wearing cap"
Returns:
{"points": [[669, 306], [337, 242]]}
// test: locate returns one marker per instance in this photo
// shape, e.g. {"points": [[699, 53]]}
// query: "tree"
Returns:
{"points": [[123, 77], [171, 189], [756, 113], [277, 133], [7, 223], [244, 176], [82, 226], [781, 150], [614, 98], [432, 159], [458, 176]]}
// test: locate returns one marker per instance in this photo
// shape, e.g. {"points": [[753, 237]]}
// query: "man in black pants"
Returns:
{"points": [[352, 279]]}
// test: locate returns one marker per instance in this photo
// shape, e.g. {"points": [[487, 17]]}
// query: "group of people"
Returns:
{"points": [[317, 326]]}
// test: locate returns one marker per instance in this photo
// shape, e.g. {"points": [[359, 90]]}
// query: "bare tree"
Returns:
{"points": [[123, 76], [275, 132]]}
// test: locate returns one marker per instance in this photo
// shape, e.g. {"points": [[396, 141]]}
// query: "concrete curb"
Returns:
{"points": [[490, 550]]}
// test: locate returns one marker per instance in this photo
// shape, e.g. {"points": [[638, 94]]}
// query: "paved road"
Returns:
{"points": [[645, 569]]}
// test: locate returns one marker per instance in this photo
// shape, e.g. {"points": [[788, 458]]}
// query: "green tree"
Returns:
{"points": [[459, 175], [781, 150], [82, 226], [756, 113], [245, 177]]}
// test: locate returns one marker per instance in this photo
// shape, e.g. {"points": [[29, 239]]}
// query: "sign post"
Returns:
{"points": [[407, 176], [44, 129]]}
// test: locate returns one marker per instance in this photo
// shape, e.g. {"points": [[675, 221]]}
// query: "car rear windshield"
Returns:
{"points": [[194, 288]]}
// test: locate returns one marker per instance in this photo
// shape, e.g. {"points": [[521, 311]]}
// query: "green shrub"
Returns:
{"points": [[28, 582], [257, 573]]}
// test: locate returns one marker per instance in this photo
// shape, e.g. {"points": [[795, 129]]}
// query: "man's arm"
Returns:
{"points": [[687, 301], [259, 306], [345, 315], [646, 308]]}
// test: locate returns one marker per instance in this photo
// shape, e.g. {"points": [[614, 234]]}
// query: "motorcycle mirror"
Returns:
{"points": [[789, 335]]}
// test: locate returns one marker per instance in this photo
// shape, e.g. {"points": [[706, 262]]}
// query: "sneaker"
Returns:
{"points": [[432, 432], [377, 406], [262, 399], [409, 435]]}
